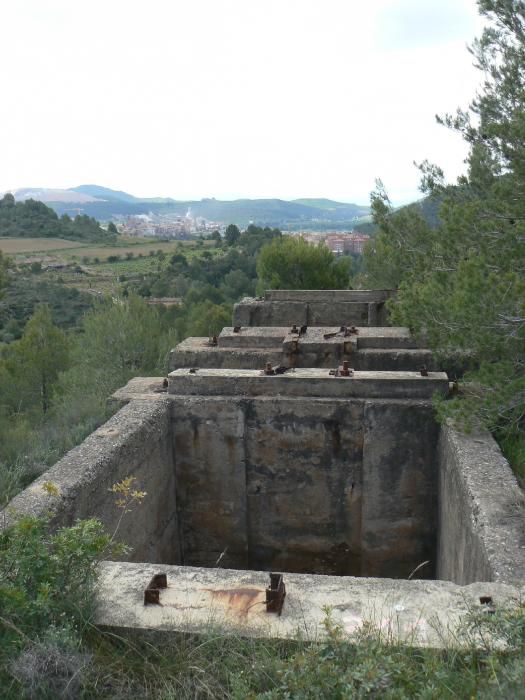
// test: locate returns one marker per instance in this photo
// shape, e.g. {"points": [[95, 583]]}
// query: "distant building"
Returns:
{"points": [[338, 242]]}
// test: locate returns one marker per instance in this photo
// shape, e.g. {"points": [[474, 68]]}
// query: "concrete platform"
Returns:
{"points": [[306, 382], [417, 613], [370, 348]]}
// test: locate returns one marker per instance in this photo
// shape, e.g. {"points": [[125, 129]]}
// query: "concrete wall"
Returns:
{"points": [[481, 512], [135, 441], [338, 486], [313, 308]]}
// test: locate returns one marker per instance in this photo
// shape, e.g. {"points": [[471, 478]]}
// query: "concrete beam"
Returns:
{"points": [[306, 382], [417, 613], [328, 295]]}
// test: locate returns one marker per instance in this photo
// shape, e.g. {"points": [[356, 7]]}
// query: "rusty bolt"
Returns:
{"points": [[275, 594], [294, 329], [152, 592], [424, 371], [268, 369], [345, 370]]}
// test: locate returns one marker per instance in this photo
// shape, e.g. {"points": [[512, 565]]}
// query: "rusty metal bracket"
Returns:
{"points": [[342, 371], [152, 591], [344, 330], [237, 329], [268, 369], [294, 329], [275, 594], [423, 371]]}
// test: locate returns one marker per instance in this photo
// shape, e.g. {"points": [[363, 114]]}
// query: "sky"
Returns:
{"points": [[233, 98]]}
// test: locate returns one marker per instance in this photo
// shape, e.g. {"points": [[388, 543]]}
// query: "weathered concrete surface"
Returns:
{"points": [[335, 486], [136, 441], [208, 444], [307, 383], [481, 512], [196, 352], [328, 295], [313, 308], [418, 613], [400, 489], [262, 337], [376, 349]]}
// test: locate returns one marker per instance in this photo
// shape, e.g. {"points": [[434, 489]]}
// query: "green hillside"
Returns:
{"points": [[31, 219]]}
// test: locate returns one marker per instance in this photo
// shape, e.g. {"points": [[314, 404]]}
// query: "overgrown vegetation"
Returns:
{"points": [[462, 283]]}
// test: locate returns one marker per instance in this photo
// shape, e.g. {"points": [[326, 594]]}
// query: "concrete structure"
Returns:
{"points": [[283, 307], [364, 347], [328, 478]]}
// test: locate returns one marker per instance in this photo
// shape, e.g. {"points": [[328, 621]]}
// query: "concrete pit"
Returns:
{"points": [[283, 463]]}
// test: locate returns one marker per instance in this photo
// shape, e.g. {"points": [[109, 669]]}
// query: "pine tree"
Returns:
{"points": [[462, 284]]}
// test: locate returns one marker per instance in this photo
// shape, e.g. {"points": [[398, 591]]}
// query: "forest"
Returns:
{"points": [[35, 219]]}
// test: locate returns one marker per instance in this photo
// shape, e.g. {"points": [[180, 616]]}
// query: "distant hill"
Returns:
{"points": [[105, 204], [44, 194], [104, 193], [32, 219]]}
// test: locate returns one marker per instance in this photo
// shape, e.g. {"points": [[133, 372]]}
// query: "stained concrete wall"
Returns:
{"points": [[135, 441], [337, 486], [481, 512]]}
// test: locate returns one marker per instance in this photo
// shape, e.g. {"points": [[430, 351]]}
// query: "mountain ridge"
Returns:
{"points": [[105, 204]]}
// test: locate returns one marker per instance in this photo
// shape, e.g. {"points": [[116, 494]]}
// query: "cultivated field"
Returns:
{"points": [[76, 250], [15, 246]]}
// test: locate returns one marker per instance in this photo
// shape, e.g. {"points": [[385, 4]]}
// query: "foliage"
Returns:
{"points": [[462, 284], [232, 234], [119, 340], [292, 263], [24, 292], [46, 593], [3, 273], [35, 219], [122, 337], [45, 577], [31, 365]]}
